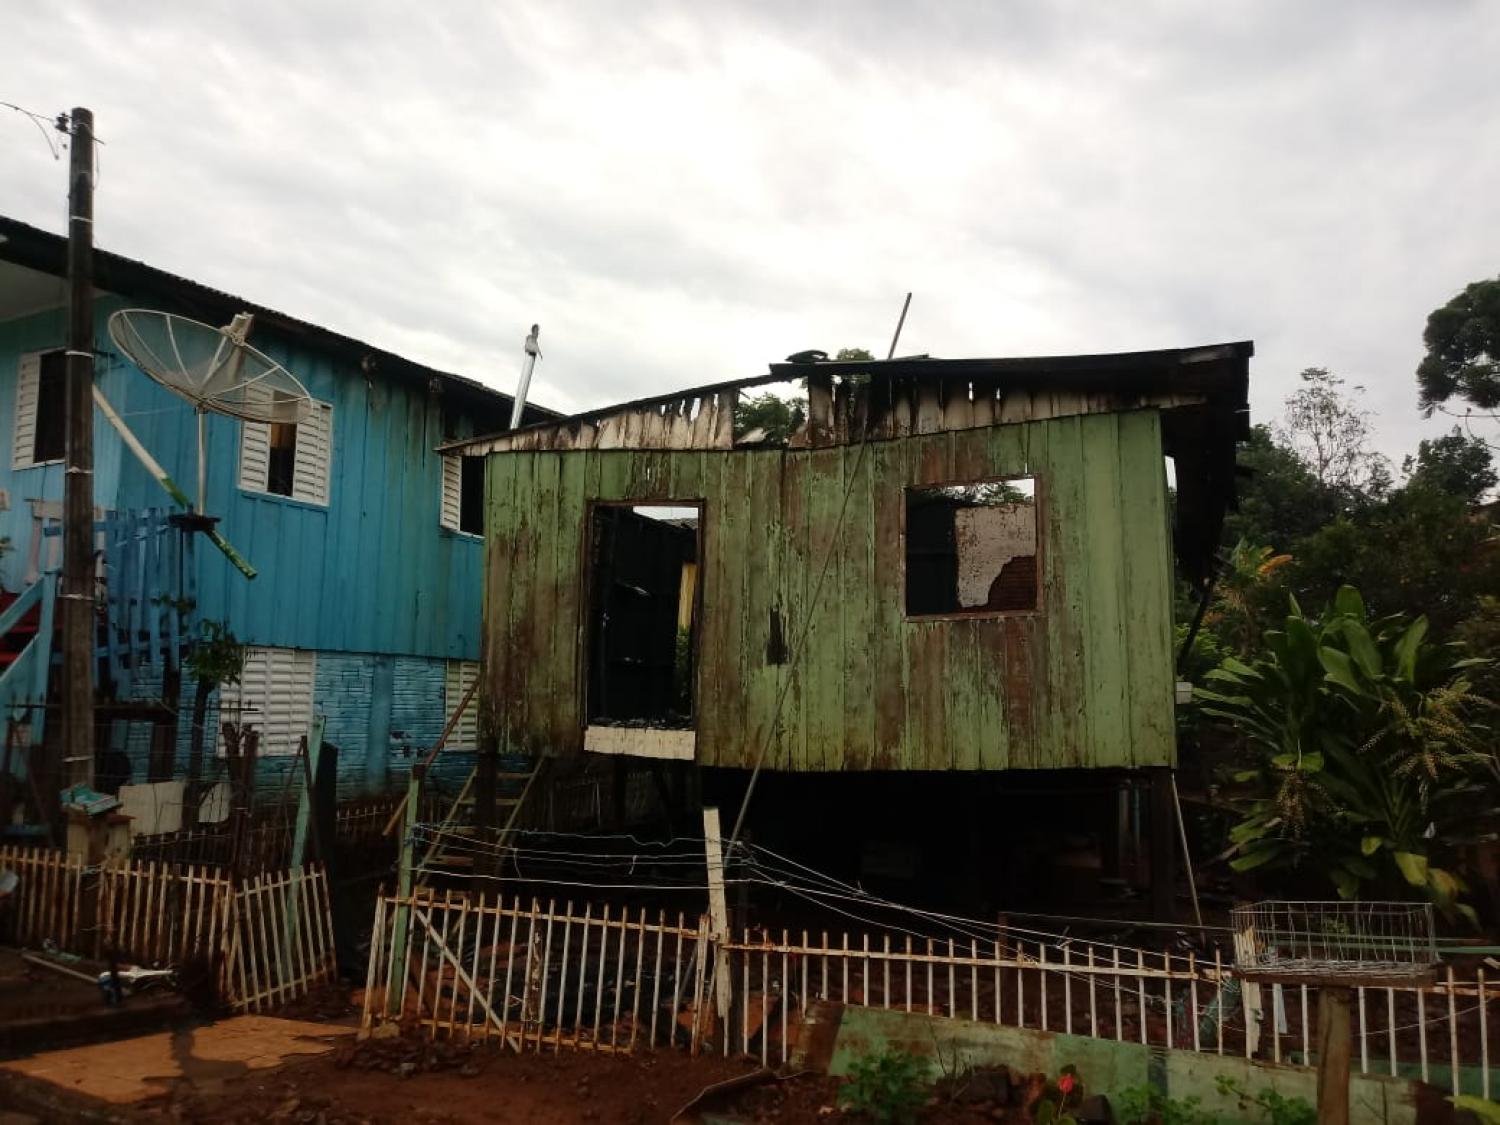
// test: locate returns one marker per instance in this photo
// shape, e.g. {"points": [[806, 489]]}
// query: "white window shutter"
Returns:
{"points": [[314, 454], [274, 695], [453, 487], [459, 678], [28, 390], [255, 455]]}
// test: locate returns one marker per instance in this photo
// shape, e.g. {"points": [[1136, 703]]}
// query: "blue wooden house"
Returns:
{"points": [[366, 540]]}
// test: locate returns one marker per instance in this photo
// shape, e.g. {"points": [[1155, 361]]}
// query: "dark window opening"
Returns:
{"points": [[971, 548], [643, 614], [51, 438], [281, 458], [471, 496]]}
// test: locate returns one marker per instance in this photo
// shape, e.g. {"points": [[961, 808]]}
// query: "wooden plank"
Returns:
{"points": [[499, 549], [720, 610], [822, 662], [761, 566], [792, 587], [929, 408], [1063, 739], [723, 420], [525, 537], [568, 572], [888, 604], [856, 597], [545, 593], [1106, 656], [1146, 524]]}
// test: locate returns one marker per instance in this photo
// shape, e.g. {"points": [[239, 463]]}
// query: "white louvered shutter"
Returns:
{"points": [[28, 390], [453, 490], [460, 677], [255, 455], [274, 695], [314, 455]]}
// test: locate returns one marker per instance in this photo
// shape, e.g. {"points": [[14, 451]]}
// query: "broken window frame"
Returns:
{"points": [[1038, 500], [587, 598]]}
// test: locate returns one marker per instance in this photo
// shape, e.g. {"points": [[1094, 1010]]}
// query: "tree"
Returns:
{"points": [[1281, 501], [1368, 763], [1463, 350], [1332, 434], [778, 417], [1456, 463], [216, 659]]}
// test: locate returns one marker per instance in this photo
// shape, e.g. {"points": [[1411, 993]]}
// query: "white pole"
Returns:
{"points": [[718, 906], [533, 351]]}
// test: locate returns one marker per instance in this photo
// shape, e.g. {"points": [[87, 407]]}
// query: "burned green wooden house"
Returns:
{"points": [[951, 565]]}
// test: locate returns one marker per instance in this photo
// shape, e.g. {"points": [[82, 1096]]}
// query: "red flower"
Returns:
{"points": [[1065, 1084]]}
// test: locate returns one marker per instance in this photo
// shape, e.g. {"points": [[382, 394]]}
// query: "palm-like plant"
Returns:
{"points": [[1369, 760]]}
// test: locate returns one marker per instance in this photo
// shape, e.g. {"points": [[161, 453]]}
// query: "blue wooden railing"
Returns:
{"points": [[150, 589]]}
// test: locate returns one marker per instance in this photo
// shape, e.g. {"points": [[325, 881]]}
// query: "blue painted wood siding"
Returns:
{"points": [[372, 571]]}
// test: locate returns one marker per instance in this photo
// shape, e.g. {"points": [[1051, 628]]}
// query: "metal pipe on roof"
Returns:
{"points": [[533, 353]]}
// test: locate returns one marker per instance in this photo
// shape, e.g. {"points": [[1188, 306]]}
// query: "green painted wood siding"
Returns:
{"points": [[1086, 681]]}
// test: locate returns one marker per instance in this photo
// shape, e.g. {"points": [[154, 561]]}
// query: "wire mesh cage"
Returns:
{"points": [[1335, 941]]}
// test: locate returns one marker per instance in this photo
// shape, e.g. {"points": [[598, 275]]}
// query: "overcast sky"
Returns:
{"points": [[681, 193]]}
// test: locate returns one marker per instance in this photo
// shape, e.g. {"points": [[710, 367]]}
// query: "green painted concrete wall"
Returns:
{"points": [[1106, 1066], [1086, 681]]}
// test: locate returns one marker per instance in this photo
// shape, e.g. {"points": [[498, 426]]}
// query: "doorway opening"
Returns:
{"points": [[644, 597]]}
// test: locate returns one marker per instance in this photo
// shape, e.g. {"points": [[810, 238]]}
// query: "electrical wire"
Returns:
{"points": [[42, 122]]}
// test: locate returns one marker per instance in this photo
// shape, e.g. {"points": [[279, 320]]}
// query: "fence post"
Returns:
{"points": [[395, 982], [718, 908], [306, 807]]}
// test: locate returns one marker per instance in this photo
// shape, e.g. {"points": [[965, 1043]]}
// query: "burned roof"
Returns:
{"points": [[1202, 394], [33, 248]]}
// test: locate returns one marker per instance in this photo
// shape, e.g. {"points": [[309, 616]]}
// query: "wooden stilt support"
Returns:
{"points": [[1163, 846]]}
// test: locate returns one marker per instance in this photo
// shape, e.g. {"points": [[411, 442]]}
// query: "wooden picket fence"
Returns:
{"points": [[272, 935], [159, 914], [48, 902], [281, 939]]}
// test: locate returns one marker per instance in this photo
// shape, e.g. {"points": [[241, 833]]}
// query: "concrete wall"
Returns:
{"points": [[1106, 1066]]}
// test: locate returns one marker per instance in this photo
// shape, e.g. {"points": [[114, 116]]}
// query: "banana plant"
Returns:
{"points": [[1368, 760]]}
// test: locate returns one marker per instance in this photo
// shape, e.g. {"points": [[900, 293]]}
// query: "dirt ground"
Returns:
{"points": [[412, 1080]]}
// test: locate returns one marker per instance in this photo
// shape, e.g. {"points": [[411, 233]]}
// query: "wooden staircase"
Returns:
{"points": [[443, 855]]}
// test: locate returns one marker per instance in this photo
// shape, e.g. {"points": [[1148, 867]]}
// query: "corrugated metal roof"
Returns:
{"points": [[41, 250]]}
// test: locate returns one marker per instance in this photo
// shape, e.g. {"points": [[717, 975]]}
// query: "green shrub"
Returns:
{"points": [[889, 1087], [1145, 1105]]}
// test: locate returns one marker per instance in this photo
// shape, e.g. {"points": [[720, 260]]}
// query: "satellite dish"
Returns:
{"points": [[212, 368]]}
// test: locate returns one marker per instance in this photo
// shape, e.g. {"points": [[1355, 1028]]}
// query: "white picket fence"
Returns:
{"points": [[544, 976]]}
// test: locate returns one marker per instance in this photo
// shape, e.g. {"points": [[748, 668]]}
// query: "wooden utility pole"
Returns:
{"points": [[78, 625], [1335, 1052]]}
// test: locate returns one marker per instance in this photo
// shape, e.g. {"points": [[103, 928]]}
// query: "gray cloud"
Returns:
{"points": [[680, 193]]}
